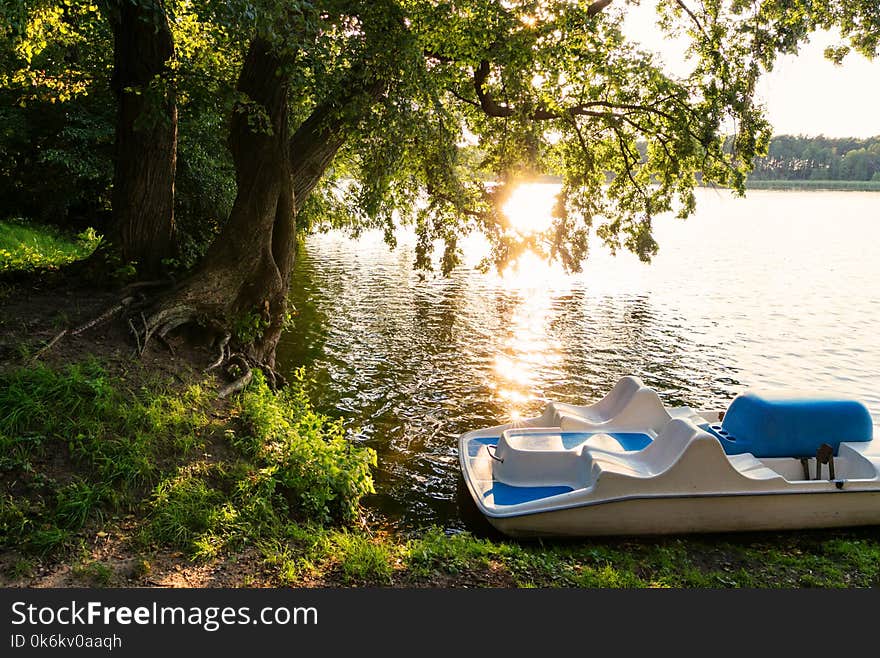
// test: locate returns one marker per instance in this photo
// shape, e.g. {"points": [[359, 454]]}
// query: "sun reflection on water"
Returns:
{"points": [[533, 274], [527, 352]]}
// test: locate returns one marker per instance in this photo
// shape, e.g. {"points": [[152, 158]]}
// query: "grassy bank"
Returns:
{"points": [[122, 478], [80, 448], [831, 185], [27, 246]]}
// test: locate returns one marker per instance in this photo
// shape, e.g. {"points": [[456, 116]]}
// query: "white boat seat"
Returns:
{"points": [[609, 406], [630, 404], [655, 458]]}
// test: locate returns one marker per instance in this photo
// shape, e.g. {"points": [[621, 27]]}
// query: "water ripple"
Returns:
{"points": [[761, 292]]}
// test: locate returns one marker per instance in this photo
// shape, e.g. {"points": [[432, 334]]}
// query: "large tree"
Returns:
{"points": [[429, 112], [146, 132], [394, 91], [239, 291]]}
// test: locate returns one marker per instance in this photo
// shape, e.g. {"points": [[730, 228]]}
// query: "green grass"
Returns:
{"points": [[362, 559], [26, 246], [268, 477], [79, 446], [827, 559], [182, 508], [838, 185]]}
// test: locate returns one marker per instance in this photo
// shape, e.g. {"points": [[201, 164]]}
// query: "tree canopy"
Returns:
{"points": [[819, 158], [426, 112]]}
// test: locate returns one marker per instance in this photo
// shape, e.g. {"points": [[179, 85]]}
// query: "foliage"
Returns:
{"points": [[292, 465], [304, 457], [56, 115], [247, 327], [26, 247], [78, 445], [819, 158], [443, 107]]}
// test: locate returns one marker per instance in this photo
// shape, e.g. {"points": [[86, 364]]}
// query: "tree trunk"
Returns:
{"points": [[146, 134], [241, 286]]}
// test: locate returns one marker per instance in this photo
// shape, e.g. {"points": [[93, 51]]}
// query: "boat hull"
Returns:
{"points": [[627, 465], [699, 514]]}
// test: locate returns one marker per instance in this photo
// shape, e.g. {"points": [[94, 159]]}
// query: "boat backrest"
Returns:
{"points": [[617, 398], [769, 425], [675, 438], [629, 406]]}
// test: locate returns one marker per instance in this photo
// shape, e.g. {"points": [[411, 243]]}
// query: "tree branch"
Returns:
{"points": [[597, 7], [624, 152], [318, 139], [489, 106], [693, 16], [494, 109]]}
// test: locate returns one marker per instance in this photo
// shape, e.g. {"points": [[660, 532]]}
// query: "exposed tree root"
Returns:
{"points": [[127, 302], [220, 359], [106, 315], [162, 322], [236, 386], [48, 346], [237, 364]]}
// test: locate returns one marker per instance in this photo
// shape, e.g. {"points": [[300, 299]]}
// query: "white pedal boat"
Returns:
{"points": [[627, 465]]}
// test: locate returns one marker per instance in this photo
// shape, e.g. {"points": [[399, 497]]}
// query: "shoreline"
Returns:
{"points": [[814, 185], [200, 518]]}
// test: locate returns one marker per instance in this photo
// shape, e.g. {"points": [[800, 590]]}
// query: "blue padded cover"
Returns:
{"points": [[769, 426]]}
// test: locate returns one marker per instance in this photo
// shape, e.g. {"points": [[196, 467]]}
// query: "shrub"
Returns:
{"points": [[304, 457]]}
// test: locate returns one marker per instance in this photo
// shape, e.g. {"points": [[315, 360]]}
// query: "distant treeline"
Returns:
{"points": [[819, 158]]}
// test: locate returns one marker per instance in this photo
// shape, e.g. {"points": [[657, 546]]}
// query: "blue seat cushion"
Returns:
{"points": [[771, 426]]}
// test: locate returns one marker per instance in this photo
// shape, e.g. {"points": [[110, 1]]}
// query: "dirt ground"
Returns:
{"points": [[34, 311]]}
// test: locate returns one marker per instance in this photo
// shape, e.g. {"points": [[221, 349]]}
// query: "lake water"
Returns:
{"points": [[778, 290]]}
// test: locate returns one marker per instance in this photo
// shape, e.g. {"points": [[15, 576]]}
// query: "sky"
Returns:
{"points": [[810, 95], [805, 93]]}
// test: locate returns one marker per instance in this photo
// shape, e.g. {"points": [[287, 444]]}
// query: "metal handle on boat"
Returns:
{"points": [[825, 455], [491, 450]]}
